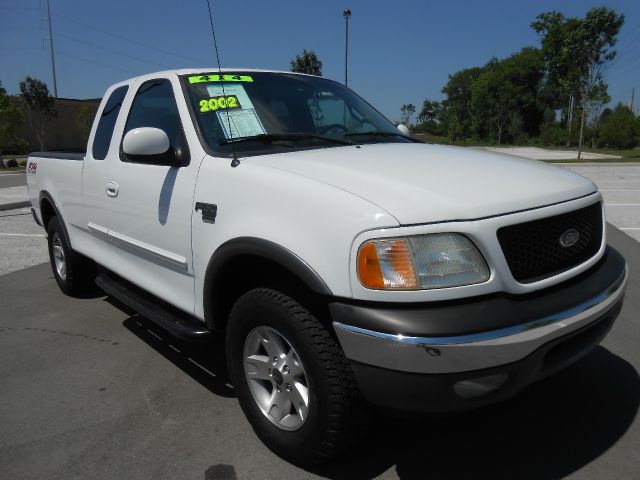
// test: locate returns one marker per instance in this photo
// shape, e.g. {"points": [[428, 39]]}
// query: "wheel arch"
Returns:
{"points": [[269, 265], [48, 210]]}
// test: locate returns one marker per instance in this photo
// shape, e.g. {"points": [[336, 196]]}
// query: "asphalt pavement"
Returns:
{"points": [[92, 390], [620, 187], [13, 191], [22, 241], [14, 179]]}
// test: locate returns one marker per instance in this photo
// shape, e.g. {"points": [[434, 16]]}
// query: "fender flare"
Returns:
{"points": [[258, 247], [44, 195]]}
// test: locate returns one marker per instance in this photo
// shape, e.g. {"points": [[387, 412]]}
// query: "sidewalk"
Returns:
{"points": [[14, 197], [536, 153]]}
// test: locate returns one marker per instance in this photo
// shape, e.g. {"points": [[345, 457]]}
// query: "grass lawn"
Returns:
{"points": [[593, 160]]}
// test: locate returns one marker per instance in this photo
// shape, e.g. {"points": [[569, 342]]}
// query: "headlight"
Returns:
{"points": [[421, 262]]}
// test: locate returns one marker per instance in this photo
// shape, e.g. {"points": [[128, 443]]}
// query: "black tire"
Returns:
{"points": [[79, 272], [337, 413]]}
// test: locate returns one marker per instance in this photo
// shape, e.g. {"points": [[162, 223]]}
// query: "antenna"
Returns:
{"points": [[235, 162]]}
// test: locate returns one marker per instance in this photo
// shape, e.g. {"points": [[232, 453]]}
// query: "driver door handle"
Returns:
{"points": [[112, 189]]}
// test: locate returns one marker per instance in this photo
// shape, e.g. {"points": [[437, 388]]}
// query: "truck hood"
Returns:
{"points": [[421, 183]]}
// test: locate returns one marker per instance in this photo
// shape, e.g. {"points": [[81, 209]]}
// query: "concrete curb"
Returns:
{"points": [[14, 205]]}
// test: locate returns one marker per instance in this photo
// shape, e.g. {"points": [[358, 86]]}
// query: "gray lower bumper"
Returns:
{"points": [[451, 354]]}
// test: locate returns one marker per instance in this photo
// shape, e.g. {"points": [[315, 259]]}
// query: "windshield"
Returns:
{"points": [[258, 112]]}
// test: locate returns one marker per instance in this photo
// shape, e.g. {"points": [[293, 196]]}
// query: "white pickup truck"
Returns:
{"points": [[348, 264]]}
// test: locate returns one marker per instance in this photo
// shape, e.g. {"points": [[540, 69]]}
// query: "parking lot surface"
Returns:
{"points": [[620, 187], [22, 241], [91, 390], [13, 179]]}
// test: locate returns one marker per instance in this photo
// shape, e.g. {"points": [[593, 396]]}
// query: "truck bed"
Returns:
{"points": [[62, 155]]}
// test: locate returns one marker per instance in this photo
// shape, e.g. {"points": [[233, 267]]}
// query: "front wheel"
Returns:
{"points": [[292, 380]]}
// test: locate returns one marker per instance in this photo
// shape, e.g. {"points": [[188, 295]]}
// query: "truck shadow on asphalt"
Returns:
{"points": [[204, 362], [551, 429], [548, 431]]}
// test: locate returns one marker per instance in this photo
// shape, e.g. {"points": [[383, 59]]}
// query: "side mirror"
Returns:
{"points": [[145, 141], [404, 130]]}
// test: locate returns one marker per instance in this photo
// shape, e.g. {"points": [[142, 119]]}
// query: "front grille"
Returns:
{"points": [[533, 250]]}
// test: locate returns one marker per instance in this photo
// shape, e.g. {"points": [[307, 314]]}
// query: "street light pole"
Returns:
{"points": [[346, 14]]}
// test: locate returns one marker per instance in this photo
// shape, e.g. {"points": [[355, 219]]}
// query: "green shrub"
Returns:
{"points": [[551, 134], [619, 129]]}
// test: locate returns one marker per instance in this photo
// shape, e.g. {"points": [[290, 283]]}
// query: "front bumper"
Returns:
{"points": [[431, 357]]}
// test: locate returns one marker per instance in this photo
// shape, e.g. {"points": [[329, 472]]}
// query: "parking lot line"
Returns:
{"points": [[22, 234]]}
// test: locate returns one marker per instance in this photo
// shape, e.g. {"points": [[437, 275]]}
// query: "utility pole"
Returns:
{"points": [[633, 92], [346, 14], [53, 59]]}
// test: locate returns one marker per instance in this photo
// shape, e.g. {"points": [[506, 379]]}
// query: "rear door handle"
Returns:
{"points": [[112, 189]]}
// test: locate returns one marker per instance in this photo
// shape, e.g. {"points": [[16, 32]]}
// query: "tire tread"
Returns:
{"points": [[348, 412]]}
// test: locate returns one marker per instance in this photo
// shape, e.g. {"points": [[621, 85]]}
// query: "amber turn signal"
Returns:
{"points": [[369, 267], [386, 264]]}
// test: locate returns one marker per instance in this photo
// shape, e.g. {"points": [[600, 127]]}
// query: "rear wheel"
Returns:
{"points": [[74, 273], [292, 380]]}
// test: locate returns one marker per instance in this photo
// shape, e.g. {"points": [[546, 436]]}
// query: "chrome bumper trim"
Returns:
{"points": [[474, 351]]}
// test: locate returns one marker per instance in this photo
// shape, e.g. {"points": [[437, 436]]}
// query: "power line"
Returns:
{"points": [[18, 49], [87, 60], [126, 39], [625, 71], [629, 32], [114, 52], [631, 48], [615, 65]]}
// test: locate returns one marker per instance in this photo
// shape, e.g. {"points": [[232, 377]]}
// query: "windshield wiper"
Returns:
{"points": [[380, 134], [273, 137]]}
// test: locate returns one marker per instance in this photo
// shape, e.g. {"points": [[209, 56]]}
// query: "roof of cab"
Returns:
{"points": [[188, 71]]}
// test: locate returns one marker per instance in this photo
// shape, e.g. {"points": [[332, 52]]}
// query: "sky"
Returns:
{"points": [[399, 52]]}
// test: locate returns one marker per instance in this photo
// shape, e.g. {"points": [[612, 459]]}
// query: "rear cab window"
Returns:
{"points": [[108, 117]]}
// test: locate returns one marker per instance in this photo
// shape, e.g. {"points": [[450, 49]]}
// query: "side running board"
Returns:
{"points": [[144, 304]]}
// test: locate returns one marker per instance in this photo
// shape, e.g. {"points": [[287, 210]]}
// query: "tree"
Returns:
{"points": [[40, 106], [430, 111], [491, 101], [431, 116], [600, 97], [619, 128], [504, 97], [593, 44], [84, 119], [457, 106], [10, 117], [515, 126], [577, 52], [407, 109], [308, 63]]}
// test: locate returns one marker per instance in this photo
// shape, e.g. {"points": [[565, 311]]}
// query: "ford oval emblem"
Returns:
{"points": [[569, 238]]}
